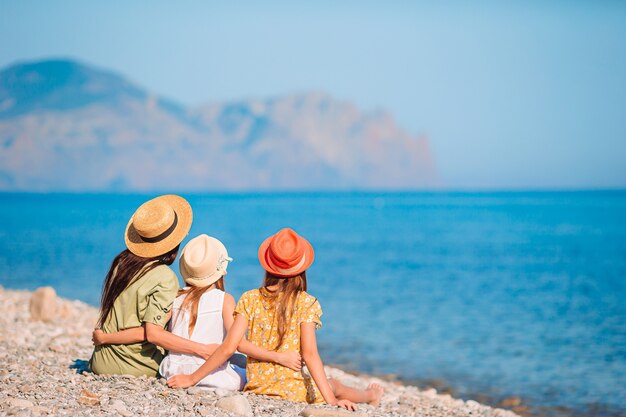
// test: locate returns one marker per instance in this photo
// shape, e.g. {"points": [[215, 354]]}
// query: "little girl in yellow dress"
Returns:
{"points": [[281, 316]]}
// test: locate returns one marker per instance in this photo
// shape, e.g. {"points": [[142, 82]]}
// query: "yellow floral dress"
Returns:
{"points": [[268, 378]]}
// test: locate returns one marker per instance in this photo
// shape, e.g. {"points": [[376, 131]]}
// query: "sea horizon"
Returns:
{"points": [[226, 192]]}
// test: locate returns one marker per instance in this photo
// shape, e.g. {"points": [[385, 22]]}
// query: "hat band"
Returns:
{"points": [[222, 264], [200, 279], [291, 270], [162, 235]]}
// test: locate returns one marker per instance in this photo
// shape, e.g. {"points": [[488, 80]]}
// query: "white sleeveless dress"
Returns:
{"points": [[209, 328]]}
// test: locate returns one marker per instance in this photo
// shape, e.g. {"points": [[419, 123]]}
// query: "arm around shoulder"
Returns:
{"points": [[123, 337]]}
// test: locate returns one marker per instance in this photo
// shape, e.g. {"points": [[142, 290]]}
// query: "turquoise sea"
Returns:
{"points": [[495, 294]]}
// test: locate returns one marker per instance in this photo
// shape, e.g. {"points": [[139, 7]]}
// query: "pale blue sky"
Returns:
{"points": [[515, 95]]}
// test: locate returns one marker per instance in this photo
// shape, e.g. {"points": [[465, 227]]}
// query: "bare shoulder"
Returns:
{"points": [[229, 299], [228, 307]]}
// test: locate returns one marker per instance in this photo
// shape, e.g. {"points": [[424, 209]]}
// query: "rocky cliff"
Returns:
{"points": [[65, 126]]}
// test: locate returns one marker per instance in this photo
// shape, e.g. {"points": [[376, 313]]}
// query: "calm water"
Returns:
{"points": [[498, 293]]}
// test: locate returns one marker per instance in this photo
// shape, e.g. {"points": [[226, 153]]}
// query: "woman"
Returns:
{"points": [[139, 290]]}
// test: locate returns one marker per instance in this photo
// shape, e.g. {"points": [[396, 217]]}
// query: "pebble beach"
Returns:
{"points": [[43, 350]]}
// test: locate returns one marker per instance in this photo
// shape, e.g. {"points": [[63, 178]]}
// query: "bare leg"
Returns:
{"points": [[371, 395]]}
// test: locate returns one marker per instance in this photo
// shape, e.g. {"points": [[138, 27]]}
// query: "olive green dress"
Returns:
{"points": [[147, 300]]}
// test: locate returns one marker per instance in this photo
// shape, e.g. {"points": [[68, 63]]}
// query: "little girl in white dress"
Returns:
{"points": [[209, 329]]}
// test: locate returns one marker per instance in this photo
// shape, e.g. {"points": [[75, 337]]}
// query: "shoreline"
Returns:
{"points": [[36, 378], [514, 403]]}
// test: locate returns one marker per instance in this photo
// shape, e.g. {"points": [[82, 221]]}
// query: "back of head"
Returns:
{"points": [[282, 298], [125, 269], [285, 256], [203, 265], [153, 236]]}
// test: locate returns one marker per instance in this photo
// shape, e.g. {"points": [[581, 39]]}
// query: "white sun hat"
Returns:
{"points": [[203, 261]]}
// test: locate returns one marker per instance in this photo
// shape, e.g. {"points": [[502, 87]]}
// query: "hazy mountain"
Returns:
{"points": [[68, 126]]}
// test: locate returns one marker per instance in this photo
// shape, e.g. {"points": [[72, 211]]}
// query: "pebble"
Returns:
{"points": [[120, 407], [237, 404], [88, 398], [195, 390], [19, 403], [222, 392], [125, 413], [36, 379], [43, 304], [25, 388], [204, 412], [40, 410]]}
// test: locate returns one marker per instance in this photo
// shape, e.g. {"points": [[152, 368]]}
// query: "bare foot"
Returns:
{"points": [[376, 392]]}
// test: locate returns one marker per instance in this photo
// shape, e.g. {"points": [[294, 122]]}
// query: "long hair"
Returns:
{"points": [[283, 299], [126, 269], [192, 300]]}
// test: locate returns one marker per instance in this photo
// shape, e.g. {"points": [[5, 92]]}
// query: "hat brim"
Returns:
{"points": [[184, 214], [199, 282], [308, 251]]}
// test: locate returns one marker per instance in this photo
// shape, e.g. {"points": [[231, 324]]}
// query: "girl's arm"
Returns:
{"points": [[221, 355], [123, 337], [153, 334], [308, 344], [159, 336], [287, 359]]}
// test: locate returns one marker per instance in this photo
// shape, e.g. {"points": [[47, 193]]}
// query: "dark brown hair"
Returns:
{"points": [[192, 300], [125, 269], [283, 299]]}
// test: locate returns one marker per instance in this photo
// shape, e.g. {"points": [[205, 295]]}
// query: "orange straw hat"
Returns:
{"points": [[158, 226], [286, 254]]}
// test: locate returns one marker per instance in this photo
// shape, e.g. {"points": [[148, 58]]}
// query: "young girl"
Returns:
{"points": [[282, 317], [203, 313]]}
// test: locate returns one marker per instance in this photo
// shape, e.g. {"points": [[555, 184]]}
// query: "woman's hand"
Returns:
{"points": [[291, 360], [181, 381], [97, 337], [347, 404], [207, 350]]}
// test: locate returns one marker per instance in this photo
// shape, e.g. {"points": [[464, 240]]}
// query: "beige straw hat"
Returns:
{"points": [[158, 226], [203, 261]]}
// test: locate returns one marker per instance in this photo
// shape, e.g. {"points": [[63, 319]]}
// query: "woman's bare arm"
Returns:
{"points": [[123, 337], [159, 336]]}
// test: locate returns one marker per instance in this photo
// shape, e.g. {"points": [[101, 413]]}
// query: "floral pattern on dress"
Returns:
{"points": [[272, 379]]}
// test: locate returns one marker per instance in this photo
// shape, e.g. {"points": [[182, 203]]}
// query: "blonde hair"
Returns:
{"points": [[192, 300]]}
